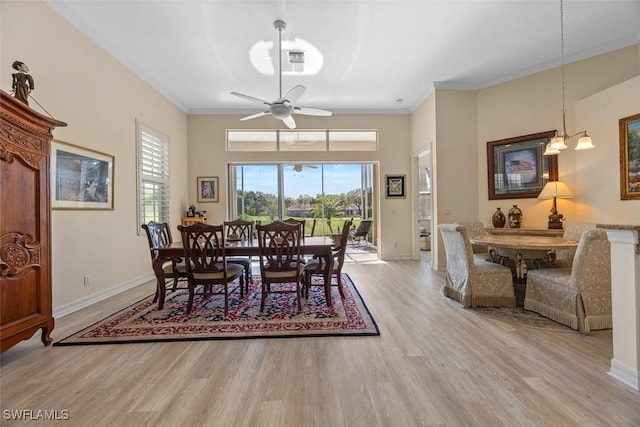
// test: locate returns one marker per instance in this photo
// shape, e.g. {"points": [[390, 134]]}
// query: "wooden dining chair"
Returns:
{"points": [[302, 224], [318, 266], [206, 262], [241, 230], [158, 235], [279, 245]]}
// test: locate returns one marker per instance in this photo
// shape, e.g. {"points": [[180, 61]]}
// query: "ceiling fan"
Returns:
{"points": [[299, 166], [283, 108]]}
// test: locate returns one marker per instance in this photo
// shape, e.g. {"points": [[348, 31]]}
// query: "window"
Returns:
{"points": [[302, 140], [153, 176]]}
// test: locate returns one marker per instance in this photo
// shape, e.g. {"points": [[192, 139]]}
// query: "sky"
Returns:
{"points": [[338, 178]]}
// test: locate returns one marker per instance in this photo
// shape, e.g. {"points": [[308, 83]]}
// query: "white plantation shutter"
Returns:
{"points": [[153, 173]]}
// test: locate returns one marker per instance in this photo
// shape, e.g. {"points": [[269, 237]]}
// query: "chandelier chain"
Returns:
{"points": [[564, 127]]}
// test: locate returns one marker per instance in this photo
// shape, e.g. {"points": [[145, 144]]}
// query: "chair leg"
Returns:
{"points": [[192, 291], [264, 296], [339, 280]]}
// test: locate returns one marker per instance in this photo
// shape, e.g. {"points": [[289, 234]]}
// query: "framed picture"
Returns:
{"points": [[208, 189], [516, 167], [395, 186], [81, 178], [630, 158]]}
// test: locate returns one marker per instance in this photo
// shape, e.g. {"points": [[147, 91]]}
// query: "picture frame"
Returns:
{"points": [[208, 188], [517, 168], [81, 178], [630, 157], [395, 186]]}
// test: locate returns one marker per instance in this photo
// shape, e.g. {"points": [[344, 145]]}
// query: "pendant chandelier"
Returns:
{"points": [[558, 142]]}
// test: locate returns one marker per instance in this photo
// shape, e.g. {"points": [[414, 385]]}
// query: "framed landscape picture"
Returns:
{"points": [[395, 186], [630, 157], [81, 178], [516, 167], [208, 189]]}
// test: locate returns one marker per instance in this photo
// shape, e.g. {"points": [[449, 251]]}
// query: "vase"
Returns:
{"points": [[498, 219], [515, 217]]}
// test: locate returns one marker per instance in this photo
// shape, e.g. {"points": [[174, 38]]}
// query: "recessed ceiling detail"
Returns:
{"points": [[304, 59]]}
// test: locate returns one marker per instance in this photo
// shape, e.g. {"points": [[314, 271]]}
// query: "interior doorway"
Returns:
{"points": [[425, 203]]}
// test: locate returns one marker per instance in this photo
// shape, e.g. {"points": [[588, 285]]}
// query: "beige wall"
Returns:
{"points": [[207, 157], [78, 83], [533, 104], [597, 181]]}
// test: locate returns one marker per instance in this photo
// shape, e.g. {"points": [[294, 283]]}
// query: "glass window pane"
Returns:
{"points": [[291, 140], [252, 140], [353, 140]]}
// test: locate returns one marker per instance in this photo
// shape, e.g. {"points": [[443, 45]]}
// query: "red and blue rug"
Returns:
{"points": [[143, 322]]}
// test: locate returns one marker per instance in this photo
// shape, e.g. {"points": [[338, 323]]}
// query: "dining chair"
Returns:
{"points": [[472, 281], [302, 224], [578, 296], [572, 231], [240, 230], [159, 234], [279, 247], [318, 266], [206, 262]]}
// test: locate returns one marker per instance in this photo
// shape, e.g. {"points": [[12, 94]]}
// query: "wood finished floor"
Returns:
{"points": [[435, 364]]}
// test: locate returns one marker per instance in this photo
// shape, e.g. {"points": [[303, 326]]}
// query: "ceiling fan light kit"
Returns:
{"points": [[283, 108]]}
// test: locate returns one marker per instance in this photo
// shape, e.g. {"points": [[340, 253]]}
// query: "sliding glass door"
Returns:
{"points": [[322, 194]]}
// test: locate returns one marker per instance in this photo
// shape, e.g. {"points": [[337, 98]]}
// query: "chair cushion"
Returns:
{"points": [[232, 269]]}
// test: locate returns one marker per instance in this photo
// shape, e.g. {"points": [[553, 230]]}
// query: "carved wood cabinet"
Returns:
{"points": [[25, 235]]}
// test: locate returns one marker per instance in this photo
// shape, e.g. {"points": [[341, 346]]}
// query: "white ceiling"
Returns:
{"points": [[375, 52]]}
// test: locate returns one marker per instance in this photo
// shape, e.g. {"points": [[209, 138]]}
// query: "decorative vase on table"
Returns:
{"points": [[515, 217], [498, 219]]}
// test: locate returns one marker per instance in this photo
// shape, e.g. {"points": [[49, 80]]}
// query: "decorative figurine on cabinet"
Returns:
{"points": [[22, 82]]}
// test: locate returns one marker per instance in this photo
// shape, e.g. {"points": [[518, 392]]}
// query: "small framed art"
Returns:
{"points": [[208, 189], [395, 186]]}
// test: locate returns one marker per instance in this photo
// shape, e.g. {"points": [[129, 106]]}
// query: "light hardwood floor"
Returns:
{"points": [[434, 364]]}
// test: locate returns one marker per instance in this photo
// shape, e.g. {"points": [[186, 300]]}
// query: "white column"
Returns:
{"points": [[625, 300]]}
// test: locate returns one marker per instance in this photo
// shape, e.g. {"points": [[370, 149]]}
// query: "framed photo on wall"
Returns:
{"points": [[395, 186], [630, 158], [208, 189], [516, 167], [81, 178]]}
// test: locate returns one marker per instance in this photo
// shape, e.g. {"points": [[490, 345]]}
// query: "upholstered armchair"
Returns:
{"points": [[572, 231], [470, 280], [579, 296]]}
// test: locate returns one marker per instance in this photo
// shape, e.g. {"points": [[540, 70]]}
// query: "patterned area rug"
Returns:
{"points": [[143, 322]]}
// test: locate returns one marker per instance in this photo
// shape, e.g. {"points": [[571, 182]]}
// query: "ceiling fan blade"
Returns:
{"points": [[255, 116], [291, 124], [306, 111], [251, 98], [294, 94]]}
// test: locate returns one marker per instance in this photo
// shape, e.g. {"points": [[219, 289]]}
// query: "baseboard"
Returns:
{"points": [[81, 303], [625, 374]]}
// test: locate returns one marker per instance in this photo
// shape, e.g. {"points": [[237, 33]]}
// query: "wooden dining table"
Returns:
{"points": [[317, 246]]}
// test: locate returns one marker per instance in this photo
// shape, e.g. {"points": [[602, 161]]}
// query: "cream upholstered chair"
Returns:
{"points": [[476, 229], [472, 281], [572, 231], [580, 296]]}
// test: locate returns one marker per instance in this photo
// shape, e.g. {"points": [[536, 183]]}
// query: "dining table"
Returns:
{"points": [[523, 248], [316, 246]]}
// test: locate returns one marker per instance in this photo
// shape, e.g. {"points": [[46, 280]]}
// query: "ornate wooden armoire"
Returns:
{"points": [[25, 219]]}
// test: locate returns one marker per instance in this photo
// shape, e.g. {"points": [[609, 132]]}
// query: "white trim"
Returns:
{"points": [[81, 303], [625, 374]]}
